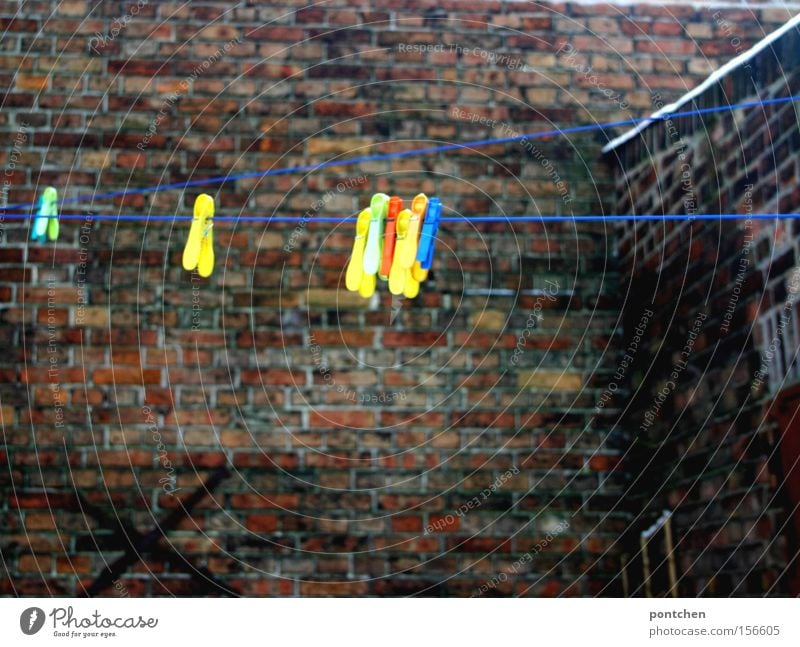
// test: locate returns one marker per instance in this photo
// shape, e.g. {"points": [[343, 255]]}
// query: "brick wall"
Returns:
{"points": [[358, 442], [701, 417]]}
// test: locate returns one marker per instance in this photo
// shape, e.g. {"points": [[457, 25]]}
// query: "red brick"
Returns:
{"points": [[262, 522], [603, 463], [185, 416], [10, 255], [18, 25], [63, 375], [342, 337], [444, 523], [34, 563], [393, 339], [277, 34], [126, 376], [77, 564], [407, 524], [336, 418], [671, 28], [54, 316], [265, 500], [263, 338], [51, 295], [273, 376], [141, 67], [666, 47], [483, 419]]}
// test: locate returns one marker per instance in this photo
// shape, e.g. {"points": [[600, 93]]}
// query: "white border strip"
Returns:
{"points": [[711, 80], [694, 4], [392, 622]]}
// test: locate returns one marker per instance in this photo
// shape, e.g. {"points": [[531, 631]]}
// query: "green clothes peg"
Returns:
{"points": [[372, 254], [46, 222]]}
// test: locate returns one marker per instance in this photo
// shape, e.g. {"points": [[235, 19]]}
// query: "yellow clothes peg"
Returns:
{"points": [[409, 251], [398, 273], [411, 287], [199, 250], [368, 283], [414, 272], [205, 266], [418, 273], [355, 269]]}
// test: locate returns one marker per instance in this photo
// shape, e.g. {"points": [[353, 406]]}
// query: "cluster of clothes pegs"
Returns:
{"points": [[45, 224], [393, 244]]}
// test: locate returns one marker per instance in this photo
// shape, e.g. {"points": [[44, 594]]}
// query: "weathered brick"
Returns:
{"points": [[407, 524], [335, 418], [127, 376], [262, 522], [560, 381], [273, 376]]}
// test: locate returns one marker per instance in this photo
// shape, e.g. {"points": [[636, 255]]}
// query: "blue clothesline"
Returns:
{"points": [[409, 153], [449, 219]]}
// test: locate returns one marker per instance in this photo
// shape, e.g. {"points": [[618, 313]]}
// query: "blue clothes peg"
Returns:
{"points": [[430, 226]]}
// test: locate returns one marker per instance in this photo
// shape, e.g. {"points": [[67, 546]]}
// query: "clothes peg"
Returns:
{"points": [[395, 207], [418, 273], [367, 287], [411, 285], [409, 250], [372, 254], [415, 274], [355, 268], [46, 221], [372, 250], [199, 250], [427, 239], [398, 272]]}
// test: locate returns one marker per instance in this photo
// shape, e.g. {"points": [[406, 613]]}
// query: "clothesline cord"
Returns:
{"points": [[409, 153], [448, 219]]}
